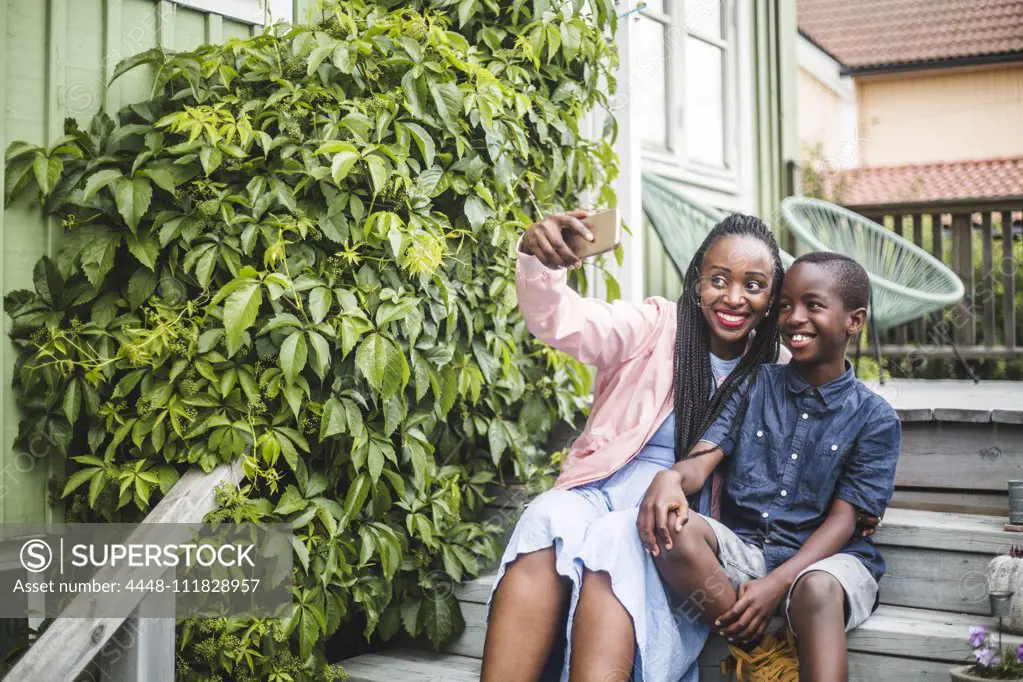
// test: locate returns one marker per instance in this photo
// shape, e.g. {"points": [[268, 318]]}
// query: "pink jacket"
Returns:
{"points": [[632, 345]]}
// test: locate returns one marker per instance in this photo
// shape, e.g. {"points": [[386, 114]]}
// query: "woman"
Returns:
{"points": [[722, 328]]}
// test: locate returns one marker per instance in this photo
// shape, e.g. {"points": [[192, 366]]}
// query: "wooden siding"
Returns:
{"points": [[57, 56]]}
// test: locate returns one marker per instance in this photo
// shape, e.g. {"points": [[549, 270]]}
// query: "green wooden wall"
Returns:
{"points": [[773, 52], [57, 57]]}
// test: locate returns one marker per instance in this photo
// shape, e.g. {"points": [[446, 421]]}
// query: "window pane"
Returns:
{"points": [[648, 97], [703, 17], [704, 102]]}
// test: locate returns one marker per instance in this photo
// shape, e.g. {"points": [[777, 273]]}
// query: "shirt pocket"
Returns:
{"points": [[820, 474], [755, 457]]}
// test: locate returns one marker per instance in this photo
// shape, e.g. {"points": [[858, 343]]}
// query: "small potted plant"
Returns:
{"points": [[990, 663]]}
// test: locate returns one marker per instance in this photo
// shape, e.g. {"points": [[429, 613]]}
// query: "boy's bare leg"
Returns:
{"points": [[526, 616], [691, 568], [817, 614], [603, 638]]}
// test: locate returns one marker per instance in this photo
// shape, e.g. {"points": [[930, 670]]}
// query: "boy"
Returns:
{"points": [[809, 446]]}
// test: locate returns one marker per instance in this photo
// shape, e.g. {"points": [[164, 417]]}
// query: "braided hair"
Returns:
{"points": [[693, 376]]}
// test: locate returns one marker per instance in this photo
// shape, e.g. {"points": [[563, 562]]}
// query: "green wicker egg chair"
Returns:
{"points": [[907, 283], [681, 222]]}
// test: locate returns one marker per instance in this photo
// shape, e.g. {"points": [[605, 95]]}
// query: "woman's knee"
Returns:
{"points": [[556, 509], [817, 592]]}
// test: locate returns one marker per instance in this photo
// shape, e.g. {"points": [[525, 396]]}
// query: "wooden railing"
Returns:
{"points": [[983, 244], [135, 648]]}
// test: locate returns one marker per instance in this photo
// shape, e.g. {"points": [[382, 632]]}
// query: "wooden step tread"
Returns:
{"points": [[409, 665], [412, 665], [892, 631]]}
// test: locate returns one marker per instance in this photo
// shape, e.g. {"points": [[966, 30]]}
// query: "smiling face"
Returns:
{"points": [[734, 290], [814, 322]]}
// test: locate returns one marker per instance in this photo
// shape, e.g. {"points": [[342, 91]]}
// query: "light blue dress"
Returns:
{"points": [[594, 525]]}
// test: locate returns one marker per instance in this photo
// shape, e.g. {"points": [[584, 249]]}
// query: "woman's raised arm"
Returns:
{"points": [[590, 330]]}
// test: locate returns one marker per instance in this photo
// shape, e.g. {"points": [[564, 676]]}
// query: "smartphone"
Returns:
{"points": [[606, 230]]}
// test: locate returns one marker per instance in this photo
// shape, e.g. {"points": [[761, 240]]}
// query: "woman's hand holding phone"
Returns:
{"points": [[544, 239]]}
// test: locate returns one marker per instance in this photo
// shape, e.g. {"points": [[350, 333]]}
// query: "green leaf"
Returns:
{"points": [[78, 478], [154, 55], [321, 354], [383, 364], [497, 436], [144, 246], [72, 400], [293, 356], [47, 172], [240, 313], [342, 165], [291, 501], [99, 180], [448, 100], [357, 494], [477, 211], [466, 8], [319, 303], [333, 420], [441, 619], [379, 172], [48, 282], [133, 197], [423, 140]]}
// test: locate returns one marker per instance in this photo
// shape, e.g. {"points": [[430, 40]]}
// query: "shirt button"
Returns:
{"points": [[806, 416], [795, 456], [834, 447], [765, 515], [784, 493], [760, 434]]}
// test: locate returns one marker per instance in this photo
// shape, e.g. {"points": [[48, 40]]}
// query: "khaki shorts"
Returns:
{"points": [[744, 562]]}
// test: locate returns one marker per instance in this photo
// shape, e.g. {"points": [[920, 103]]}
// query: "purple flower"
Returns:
{"points": [[977, 635], [987, 657], [1019, 653]]}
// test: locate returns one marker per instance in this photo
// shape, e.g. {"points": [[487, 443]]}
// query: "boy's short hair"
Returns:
{"points": [[851, 280]]}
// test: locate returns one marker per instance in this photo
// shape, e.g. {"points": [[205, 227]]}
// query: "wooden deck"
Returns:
{"points": [[1000, 402]]}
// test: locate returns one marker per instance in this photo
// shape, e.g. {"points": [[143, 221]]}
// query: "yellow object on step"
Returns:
{"points": [[773, 660]]}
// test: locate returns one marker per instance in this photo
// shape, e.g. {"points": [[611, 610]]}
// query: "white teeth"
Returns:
{"points": [[731, 318], [800, 337]]}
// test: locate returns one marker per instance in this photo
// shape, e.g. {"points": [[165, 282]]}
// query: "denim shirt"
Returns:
{"points": [[799, 448]]}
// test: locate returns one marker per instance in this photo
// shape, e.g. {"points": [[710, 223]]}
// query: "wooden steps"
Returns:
{"points": [[933, 592], [895, 645]]}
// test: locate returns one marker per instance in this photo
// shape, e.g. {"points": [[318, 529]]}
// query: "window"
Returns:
{"points": [[684, 85], [249, 11]]}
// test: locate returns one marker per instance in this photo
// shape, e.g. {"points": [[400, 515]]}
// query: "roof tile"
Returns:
{"points": [[867, 33], [930, 182]]}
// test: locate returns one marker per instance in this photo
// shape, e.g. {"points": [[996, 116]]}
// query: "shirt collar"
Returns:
{"points": [[829, 392]]}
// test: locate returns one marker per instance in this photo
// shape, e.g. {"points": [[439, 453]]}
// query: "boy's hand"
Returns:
{"points": [[866, 524], [663, 512], [544, 240], [749, 617]]}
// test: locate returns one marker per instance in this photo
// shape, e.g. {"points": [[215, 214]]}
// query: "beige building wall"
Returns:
{"points": [[820, 114], [940, 116]]}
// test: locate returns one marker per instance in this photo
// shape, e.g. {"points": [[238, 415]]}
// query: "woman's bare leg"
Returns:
{"points": [[527, 615], [603, 638]]}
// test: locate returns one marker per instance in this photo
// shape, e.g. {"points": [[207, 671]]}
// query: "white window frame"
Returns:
{"points": [[255, 12], [674, 161]]}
